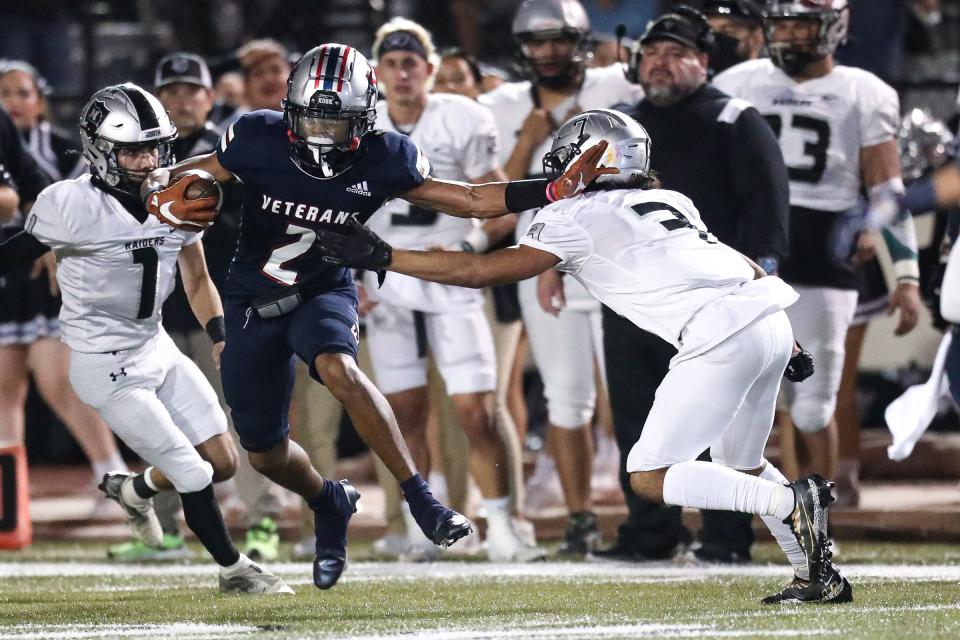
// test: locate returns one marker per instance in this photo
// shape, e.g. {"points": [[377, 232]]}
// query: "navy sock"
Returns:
{"points": [[331, 515], [424, 508]]}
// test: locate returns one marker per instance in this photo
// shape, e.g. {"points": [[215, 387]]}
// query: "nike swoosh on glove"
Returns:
{"points": [[357, 247], [800, 366], [171, 207], [580, 173]]}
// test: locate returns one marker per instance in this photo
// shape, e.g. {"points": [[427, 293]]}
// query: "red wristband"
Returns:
{"points": [[552, 192]]}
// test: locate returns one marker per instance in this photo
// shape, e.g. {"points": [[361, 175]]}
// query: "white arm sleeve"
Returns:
{"points": [[950, 289]]}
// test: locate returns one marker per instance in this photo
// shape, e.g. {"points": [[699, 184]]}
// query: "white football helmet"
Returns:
{"points": [[833, 17], [548, 19], [628, 145], [330, 105], [120, 116]]}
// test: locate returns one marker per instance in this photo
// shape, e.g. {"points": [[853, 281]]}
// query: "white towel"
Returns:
{"points": [[909, 415]]}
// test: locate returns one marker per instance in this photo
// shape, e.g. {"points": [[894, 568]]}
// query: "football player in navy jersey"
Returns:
{"points": [[315, 167]]}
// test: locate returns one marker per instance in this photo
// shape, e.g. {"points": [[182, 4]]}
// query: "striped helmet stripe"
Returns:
{"points": [[318, 60], [341, 70], [330, 67]]}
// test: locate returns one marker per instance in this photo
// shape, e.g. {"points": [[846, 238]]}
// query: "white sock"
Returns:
{"points": [[782, 533], [148, 479], [103, 467], [242, 563], [498, 518], [707, 485]]}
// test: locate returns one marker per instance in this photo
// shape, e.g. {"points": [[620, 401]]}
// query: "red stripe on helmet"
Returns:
{"points": [[343, 68], [319, 58]]}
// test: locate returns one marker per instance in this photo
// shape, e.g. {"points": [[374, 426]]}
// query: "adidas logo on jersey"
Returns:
{"points": [[360, 189]]}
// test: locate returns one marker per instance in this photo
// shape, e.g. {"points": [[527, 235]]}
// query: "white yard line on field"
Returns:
{"points": [[556, 571], [100, 631]]}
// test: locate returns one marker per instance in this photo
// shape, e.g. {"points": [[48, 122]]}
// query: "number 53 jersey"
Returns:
{"points": [[648, 256], [114, 269], [822, 125]]}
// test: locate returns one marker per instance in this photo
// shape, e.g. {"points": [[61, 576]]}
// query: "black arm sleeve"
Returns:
{"points": [[762, 186], [19, 250], [27, 174]]}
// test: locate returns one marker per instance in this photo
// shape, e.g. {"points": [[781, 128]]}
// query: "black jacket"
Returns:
{"points": [[720, 153]]}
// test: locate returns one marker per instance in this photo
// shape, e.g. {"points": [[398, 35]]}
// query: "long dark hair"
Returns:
{"points": [[649, 181]]}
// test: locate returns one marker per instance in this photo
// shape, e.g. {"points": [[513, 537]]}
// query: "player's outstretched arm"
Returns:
{"points": [[498, 198], [364, 249]]}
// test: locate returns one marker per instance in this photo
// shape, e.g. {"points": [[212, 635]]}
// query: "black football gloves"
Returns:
{"points": [[800, 366], [357, 247]]}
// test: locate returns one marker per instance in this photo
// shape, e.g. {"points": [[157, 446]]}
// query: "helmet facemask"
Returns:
{"points": [[830, 26], [324, 136], [573, 64]]}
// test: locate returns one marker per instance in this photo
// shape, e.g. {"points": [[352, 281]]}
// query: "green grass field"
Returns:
{"points": [[66, 591]]}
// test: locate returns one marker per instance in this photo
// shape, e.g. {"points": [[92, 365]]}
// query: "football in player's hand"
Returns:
{"points": [[205, 186]]}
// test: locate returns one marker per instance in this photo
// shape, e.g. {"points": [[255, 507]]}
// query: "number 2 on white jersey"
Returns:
{"points": [[273, 267]]}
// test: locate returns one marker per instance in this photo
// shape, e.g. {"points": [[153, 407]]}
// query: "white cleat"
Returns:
{"points": [[513, 549], [252, 579], [140, 514]]}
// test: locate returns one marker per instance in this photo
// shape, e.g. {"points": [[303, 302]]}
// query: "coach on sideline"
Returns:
{"points": [[721, 153]]}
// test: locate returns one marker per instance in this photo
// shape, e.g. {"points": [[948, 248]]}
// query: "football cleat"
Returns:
{"points": [[582, 536], [252, 579], [172, 548], [450, 529], [330, 561], [808, 522], [834, 589], [263, 541], [140, 514]]}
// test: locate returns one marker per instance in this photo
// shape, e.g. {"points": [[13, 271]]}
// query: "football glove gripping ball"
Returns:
{"points": [[169, 204], [800, 366]]}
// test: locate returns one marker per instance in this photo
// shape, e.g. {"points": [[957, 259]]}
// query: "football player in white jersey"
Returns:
{"points": [[645, 253], [552, 37], [411, 316], [116, 267], [837, 128]]}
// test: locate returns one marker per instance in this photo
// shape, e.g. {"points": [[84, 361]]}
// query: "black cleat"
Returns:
{"points": [[330, 562], [835, 589], [582, 537], [808, 522], [451, 528]]}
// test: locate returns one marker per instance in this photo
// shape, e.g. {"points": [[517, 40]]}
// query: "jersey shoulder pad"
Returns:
{"points": [[731, 78]]}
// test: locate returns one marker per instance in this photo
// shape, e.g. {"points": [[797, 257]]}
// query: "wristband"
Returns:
{"points": [[769, 264], [523, 195], [920, 196], [217, 329], [476, 241]]}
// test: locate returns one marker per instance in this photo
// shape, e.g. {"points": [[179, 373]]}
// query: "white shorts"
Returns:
{"points": [[461, 345], [820, 320], [158, 402], [564, 348], [723, 399]]}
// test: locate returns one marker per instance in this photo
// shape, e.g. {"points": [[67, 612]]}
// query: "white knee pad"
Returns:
{"points": [[812, 414], [193, 478]]}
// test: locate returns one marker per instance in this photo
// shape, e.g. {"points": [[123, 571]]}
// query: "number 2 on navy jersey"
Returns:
{"points": [[273, 267], [817, 150]]}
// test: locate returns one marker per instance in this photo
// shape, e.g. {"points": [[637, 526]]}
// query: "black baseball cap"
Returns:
{"points": [[182, 67], [745, 10], [685, 25]]}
